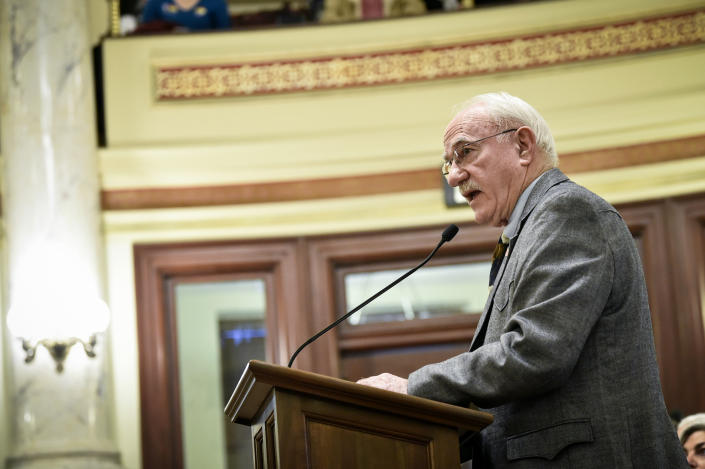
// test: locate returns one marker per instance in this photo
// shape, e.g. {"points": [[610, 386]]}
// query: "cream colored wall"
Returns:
{"points": [[593, 104], [329, 133], [5, 402], [99, 19], [596, 104]]}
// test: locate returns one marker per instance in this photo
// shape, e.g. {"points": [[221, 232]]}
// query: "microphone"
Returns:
{"points": [[447, 235]]}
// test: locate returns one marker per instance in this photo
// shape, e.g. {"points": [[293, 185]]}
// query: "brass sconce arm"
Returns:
{"points": [[58, 349]]}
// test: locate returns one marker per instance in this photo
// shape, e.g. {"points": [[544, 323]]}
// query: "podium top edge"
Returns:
{"points": [[259, 378]]}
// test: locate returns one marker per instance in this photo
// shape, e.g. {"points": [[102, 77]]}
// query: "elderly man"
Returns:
{"points": [[563, 355]]}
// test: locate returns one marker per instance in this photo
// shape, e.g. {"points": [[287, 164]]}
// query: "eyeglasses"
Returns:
{"points": [[464, 152]]}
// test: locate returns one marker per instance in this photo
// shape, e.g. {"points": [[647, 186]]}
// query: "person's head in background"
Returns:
{"points": [[495, 147], [691, 431]]}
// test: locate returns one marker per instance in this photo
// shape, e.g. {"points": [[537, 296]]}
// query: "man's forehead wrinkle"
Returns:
{"points": [[464, 128]]}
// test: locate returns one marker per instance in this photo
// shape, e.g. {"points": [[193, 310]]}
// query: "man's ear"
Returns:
{"points": [[526, 139]]}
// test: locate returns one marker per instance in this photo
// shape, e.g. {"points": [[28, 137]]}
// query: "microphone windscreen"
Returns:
{"points": [[449, 233]]}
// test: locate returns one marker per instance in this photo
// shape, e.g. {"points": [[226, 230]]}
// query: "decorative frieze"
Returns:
{"points": [[432, 63]]}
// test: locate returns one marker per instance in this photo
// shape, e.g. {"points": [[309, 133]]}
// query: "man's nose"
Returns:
{"points": [[456, 175]]}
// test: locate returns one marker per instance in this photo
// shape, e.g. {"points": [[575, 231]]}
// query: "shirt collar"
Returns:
{"points": [[511, 230]]}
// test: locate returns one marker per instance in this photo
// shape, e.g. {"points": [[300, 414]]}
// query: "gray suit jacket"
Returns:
{"points": [[563, 356]]}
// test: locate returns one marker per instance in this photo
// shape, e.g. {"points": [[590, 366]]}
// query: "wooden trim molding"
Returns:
{"points": [[648, 226], [161, 429], [388, 183], [429, 63], [328, 254], [686, 221], [670, 233], [633, 155], [268, 192]]}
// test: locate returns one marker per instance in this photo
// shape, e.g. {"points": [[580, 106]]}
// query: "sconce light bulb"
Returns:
{"points": [[37, 318]]}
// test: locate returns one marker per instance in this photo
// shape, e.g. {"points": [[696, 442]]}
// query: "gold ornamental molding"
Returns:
{"points": [[432, 63]]}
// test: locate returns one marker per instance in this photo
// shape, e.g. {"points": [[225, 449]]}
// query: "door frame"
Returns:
{"points": [[158, 267]]}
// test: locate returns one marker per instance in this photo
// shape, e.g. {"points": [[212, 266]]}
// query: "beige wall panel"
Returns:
{"points": [[98, 20], [134, 118], [350, 214], [597, 104]]}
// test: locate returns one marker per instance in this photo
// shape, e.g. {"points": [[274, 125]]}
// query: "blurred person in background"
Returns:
{"points": [[189, 15], [691, 432]]}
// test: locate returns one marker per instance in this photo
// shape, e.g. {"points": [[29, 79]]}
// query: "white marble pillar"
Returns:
{"points": [[51, 215]]}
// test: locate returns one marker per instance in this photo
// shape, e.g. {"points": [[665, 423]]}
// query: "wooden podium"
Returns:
{"points": [[305, 420]]}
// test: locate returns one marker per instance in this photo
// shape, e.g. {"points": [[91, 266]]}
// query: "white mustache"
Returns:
{"points": [[468, 186]]}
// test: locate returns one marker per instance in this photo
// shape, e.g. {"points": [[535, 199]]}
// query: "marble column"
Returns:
{"points": [[51, 216]]}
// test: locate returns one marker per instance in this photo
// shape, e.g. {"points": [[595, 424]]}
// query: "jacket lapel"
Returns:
{"points": [[549, 179]]}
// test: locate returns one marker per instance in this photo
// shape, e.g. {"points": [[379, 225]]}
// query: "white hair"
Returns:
{"points": [[506, 111]]}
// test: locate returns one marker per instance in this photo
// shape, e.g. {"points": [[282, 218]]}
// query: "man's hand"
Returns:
{"points": [[386, 381]]}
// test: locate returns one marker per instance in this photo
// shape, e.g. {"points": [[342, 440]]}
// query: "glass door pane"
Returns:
{"points": [[220, 327], [430, 292]]}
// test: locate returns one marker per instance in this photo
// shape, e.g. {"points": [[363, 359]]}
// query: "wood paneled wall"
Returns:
{"points": [[304, 273]]}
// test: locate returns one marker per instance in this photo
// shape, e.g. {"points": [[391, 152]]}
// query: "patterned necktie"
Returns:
{"points": [[498, 256]]}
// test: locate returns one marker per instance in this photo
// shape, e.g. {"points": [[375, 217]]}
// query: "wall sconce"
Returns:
{"points": [[57, 327]]}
